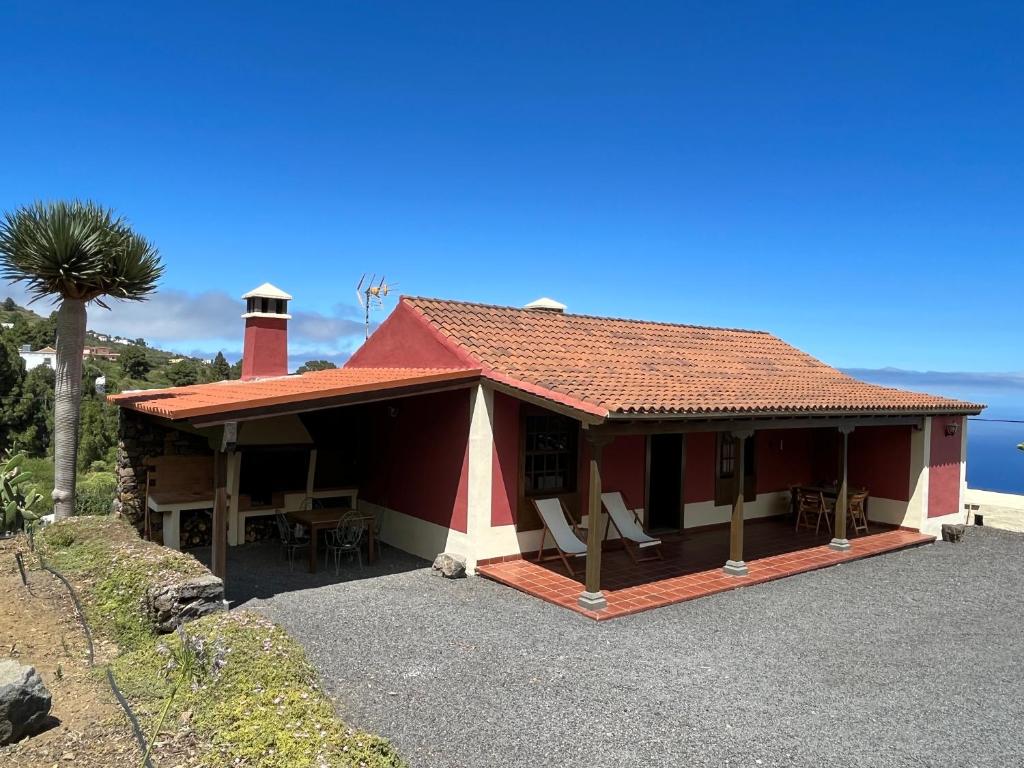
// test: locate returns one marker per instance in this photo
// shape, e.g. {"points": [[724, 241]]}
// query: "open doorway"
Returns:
{"points": [[665, 482]]}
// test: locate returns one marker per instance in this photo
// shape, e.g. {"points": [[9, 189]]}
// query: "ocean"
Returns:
{"points": [[993, 461]]}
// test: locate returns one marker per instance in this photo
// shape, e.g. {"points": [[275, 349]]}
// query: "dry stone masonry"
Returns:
{"points": [[24, 701], [141, 439]]}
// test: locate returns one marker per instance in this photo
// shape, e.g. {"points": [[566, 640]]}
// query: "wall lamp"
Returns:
{"points": [[952, 429]]}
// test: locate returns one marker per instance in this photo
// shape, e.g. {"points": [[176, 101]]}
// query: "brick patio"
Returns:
{"points": [[693, 566]]}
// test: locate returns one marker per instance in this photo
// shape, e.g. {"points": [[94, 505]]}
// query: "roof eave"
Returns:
{"points": [[971, 410]]}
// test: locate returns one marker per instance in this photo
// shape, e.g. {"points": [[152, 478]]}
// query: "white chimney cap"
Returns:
{"points": [[267, 291], [546, 304]]}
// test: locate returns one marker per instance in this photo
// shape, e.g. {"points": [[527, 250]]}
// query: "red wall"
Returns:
{"points": [[505, 463], [879, 460], [265, 349], [420, 456], [785, 458], [624, 469], [944, 467], [699, 482], [405, 341]]}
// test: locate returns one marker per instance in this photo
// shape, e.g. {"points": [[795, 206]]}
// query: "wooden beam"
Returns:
{"points": [[736, 566], [311, 473], [684, 426], [592, 597], [219, 548], [305, 406], [583, 417], [840, 542]]}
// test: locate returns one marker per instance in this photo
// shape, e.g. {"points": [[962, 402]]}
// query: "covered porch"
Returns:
{"points": [[728, 518], [692, 566]]}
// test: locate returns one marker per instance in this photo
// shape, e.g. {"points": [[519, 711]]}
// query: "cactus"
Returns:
{"points": [[19, 500]]}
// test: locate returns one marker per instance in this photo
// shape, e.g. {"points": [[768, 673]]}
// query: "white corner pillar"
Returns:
{"points": [[480, 468], [839, 541], [920, 461], [736, 565]]}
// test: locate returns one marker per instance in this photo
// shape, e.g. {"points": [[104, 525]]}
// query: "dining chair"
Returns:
{"points": [[344, 540], [857, 512], [812, 507], [290, 543]]}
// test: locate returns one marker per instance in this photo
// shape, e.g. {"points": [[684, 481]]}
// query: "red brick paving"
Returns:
{"points": [[692, 567]]}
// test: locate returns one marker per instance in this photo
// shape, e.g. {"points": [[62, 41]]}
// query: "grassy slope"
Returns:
{"points": [[263, 707]]}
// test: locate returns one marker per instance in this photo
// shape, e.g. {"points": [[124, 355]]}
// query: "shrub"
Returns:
{"points": [[118, 569], [94, 493], [256, 701]]}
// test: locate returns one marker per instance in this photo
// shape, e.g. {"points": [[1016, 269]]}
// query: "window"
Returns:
{"points": [[726, 469], [550, 454], [727, 458]]}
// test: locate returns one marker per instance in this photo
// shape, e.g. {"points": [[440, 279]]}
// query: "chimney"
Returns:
{"points": [[544, 304], [265, 352]]}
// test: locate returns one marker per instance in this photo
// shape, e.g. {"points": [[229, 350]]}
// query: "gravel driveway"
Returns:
{"points": [[908, 659]]}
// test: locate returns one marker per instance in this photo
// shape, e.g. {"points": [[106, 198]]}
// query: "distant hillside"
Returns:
{"points": [[158, 367]]}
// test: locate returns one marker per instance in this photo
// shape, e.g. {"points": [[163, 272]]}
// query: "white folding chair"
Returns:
{"points": [[626, 522], [567, 543]]}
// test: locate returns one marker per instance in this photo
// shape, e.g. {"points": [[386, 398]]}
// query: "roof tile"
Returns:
{"points": [[230, 396], [636, 367]]}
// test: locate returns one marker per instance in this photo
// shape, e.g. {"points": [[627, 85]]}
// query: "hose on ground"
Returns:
{"points": [[140, 737]]}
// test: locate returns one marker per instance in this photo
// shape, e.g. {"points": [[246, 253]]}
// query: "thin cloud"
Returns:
{"points": [[201, 324]]}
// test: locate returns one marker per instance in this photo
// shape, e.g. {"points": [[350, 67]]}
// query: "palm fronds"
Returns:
{"points": [[77, 250]]}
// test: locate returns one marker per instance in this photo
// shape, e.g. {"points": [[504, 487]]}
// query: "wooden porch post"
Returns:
{"points": [[219, 550], [592, 598], [840, 542], [735, 565]]}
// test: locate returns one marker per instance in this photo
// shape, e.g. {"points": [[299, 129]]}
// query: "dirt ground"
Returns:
{"points": [[38, 626]]}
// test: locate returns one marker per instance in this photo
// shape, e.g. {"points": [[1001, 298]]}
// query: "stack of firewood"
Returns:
{"points": [[196, 528], [260, 528]]}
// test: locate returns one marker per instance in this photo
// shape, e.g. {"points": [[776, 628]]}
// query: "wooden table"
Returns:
{"points": [[317, 520]]}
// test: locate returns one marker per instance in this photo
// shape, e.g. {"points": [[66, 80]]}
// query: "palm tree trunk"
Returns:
{"points": [[67, 401]]}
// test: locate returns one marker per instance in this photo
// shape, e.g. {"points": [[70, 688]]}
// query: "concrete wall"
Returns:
{"points": [[1000, 510]]}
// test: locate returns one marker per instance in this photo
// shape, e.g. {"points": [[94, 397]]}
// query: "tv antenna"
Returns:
{"points": [[371, 294]]}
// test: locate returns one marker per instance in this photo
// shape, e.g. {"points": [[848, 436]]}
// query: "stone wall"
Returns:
{"points": [[140, 438]]}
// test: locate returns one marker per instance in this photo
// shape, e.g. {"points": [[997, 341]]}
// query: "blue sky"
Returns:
{"points": [[848, 177]]}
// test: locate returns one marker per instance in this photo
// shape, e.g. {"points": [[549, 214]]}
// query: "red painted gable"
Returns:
{"points": [[406, 340]]}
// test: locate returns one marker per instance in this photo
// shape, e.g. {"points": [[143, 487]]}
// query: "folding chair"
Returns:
{"points": [[567, 543], [857, 513], [811, 506], [626, 522]]}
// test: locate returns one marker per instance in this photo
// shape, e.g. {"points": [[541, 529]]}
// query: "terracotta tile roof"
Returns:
{"points": [[633, 367], [237, 396]]}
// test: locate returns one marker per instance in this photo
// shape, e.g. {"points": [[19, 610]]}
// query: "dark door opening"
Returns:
{"points": [[665, 483]]}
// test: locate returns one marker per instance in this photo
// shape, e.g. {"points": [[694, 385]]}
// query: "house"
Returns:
{"points": [[35, 358], [102, 353], [453, 417]]}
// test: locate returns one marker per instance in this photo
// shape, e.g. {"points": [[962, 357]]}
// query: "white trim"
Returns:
{"points": [[889, 511], [483, 539], [415, 536], [267, 291], [707, 513], [275, 315]]}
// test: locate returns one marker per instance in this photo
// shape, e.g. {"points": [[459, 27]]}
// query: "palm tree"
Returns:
{"points": [[75, 252]]}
